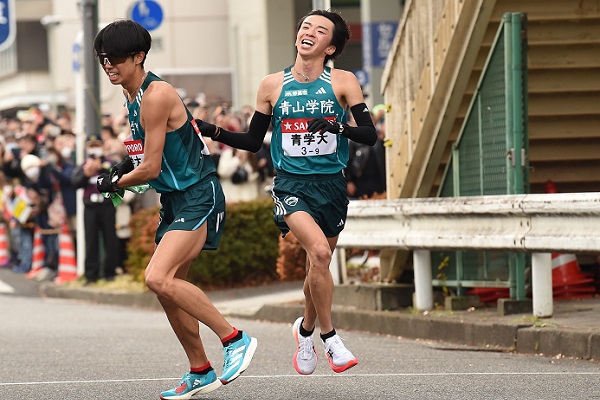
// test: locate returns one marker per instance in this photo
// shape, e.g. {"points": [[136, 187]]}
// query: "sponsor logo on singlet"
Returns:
{"points": [[294, 93], [135, 149]]}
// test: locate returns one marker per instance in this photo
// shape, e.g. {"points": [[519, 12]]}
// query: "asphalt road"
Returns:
{"points": [[63, 349]]}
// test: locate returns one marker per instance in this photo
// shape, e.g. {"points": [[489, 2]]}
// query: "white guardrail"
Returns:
{"points": [[534, 223]]}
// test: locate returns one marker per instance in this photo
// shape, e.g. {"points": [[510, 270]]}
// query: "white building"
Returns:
{"points": [[216, 49]]}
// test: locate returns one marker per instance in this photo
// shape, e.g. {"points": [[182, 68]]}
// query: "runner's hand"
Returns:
{"points": [[107, 183], [123, 167], [324, 125], [206, 129]]}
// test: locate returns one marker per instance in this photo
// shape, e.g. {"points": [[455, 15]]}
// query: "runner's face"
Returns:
{"points": [[314, 36], [118, 69]]}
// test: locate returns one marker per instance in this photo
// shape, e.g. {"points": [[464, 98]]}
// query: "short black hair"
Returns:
{"points": [[122, 38], [341, 31]]}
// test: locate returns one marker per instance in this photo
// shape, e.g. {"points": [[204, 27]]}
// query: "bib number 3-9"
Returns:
{"points": [[298, 142]]}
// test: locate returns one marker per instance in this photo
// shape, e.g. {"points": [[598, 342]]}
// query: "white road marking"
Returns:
{"points": [[6, 288], [419, 374]]}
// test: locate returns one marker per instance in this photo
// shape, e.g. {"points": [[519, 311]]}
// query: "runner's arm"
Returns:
{"points": [[349, 92], [157, 105], [251, 140], [364, 133]]}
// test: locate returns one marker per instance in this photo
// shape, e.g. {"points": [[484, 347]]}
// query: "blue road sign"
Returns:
{"points": [[147, 13], [76, 57], [7, 23], [362, 76], [377, 42]]}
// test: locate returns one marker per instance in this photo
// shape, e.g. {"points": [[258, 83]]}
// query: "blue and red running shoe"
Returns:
{"points": [[237, 357], [192, 384]]}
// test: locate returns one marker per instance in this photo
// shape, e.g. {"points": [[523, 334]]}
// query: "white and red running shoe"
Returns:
{"points": [[339, 357], [305, 358]]}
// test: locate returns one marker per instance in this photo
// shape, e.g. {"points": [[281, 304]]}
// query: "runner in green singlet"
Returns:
{"points": [[168, 152], [307, 103]]}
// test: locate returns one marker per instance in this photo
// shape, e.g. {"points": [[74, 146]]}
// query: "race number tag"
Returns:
{"points": [[135, 149], [298, 142], [205, 150]]}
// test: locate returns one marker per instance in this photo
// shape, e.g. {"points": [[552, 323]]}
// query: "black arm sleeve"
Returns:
{"points": [[365, 132], [251, 140]]}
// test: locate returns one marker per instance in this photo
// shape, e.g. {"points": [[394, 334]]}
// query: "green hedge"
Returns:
{"points": [[247, 253]]}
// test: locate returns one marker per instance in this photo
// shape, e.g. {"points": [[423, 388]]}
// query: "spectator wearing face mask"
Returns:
{"points": [[21, 230], [64, 145], [98, 214], [39, 193]]}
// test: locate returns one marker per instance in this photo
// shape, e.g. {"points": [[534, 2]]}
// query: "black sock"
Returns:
{"points": [[327, 335], [232, 338], [304, 332]]}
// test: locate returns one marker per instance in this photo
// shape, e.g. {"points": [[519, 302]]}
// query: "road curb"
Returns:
{"points": [[515, 337], [488, 335], [525, 338], [141, 300]]}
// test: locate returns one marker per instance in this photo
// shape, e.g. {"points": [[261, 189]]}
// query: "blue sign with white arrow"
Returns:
{"points": [[147, 13], [7, 23]]}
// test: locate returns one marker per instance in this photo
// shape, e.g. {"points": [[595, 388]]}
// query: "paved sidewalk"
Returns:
{"points": [[573, 331], [242, 302]]}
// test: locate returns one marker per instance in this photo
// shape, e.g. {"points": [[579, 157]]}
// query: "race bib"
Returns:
{"points": [[135, 149], [298, 142]]}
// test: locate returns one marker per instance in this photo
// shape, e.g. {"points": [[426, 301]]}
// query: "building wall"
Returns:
{"points": [[191, 41], [217, 50]]}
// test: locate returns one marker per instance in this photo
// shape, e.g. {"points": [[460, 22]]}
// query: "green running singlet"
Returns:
{"points": [[295, 150], [185, 158]]}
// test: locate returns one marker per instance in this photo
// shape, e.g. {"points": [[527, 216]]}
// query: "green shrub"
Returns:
{"points": [[247, 253]]}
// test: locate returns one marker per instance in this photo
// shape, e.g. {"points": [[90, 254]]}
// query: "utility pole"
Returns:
{"points": [[91, 90], [88, 107], [321, 4]]}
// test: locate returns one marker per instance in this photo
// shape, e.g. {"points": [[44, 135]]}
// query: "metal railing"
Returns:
{"points": [[531, 223]]}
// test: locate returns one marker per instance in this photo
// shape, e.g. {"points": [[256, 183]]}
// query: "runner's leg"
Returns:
{"points": [[176, 250], [319, 280]]}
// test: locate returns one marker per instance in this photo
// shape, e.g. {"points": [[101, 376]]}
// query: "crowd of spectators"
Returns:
{"points": [[40, 176], [38, 181]]}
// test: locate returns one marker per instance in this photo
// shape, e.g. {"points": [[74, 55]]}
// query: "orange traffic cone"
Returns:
{"points": [[490, 295], [550, 187], [4, 252], [567, 280], [67, 262], [39, 254]]}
